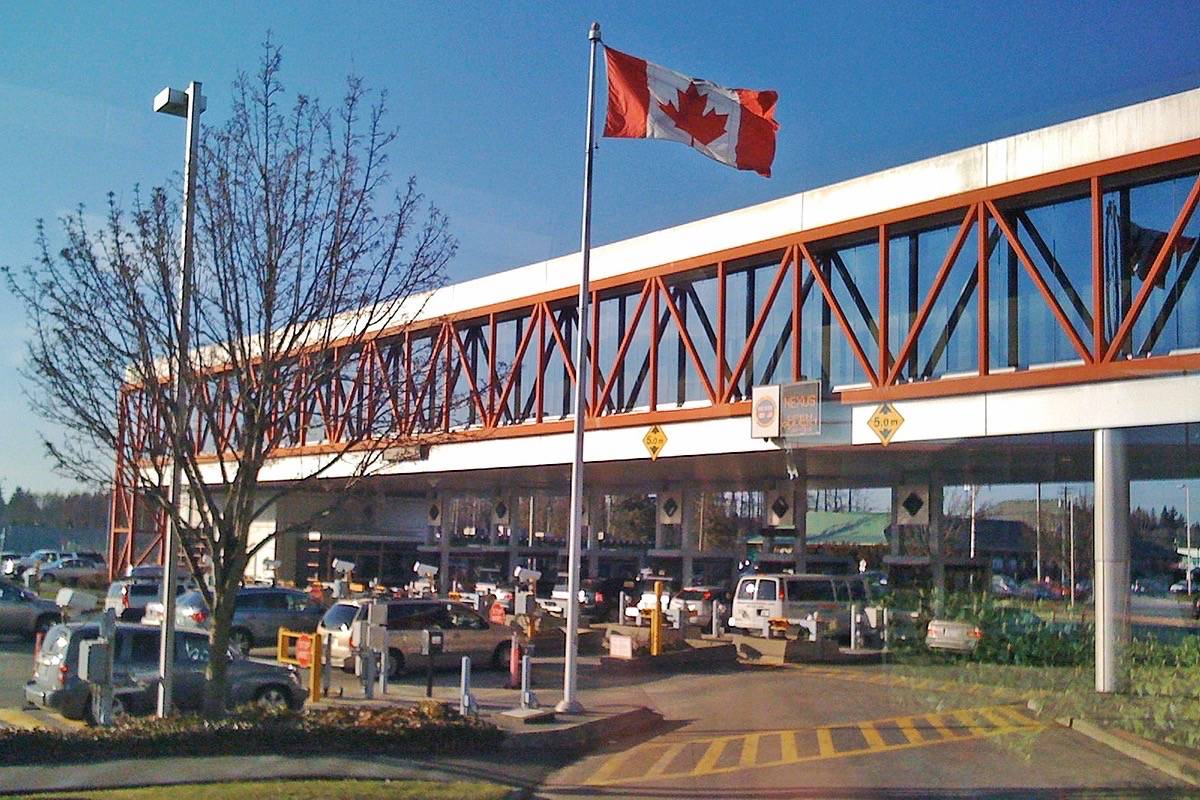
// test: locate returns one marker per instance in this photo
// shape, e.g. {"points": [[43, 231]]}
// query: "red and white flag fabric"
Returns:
{"points": [[734, 126]]}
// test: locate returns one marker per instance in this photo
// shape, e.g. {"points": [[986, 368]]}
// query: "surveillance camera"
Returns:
{"points": [[525, 574], [425, 570], [342, 566]]}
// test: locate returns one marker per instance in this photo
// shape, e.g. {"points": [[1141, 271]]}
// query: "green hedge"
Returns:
{"points": [[427, 727]]}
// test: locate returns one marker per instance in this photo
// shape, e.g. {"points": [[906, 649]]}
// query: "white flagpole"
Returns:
{"points": [[570, 703]]}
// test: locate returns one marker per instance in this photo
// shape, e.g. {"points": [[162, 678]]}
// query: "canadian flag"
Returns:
{"points": [[734, 126]]}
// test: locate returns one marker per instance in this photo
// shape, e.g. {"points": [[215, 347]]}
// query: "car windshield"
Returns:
{"points": [[340, 616]]}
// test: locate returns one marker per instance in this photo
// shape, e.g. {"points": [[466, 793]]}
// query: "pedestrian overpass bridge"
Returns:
{"points": [[1016, 302]]}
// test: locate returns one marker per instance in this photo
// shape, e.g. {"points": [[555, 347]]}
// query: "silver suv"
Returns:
{"points": [[259, 613], [56, 684]]}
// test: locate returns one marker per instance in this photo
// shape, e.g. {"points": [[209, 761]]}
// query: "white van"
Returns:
{"points": [[796, 598]]}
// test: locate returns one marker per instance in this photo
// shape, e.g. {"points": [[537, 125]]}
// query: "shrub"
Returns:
{"points": [[427, 727]]}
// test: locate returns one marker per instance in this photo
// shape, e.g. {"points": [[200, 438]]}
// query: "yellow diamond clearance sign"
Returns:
{"points": [[885, 422], [655, 440]]}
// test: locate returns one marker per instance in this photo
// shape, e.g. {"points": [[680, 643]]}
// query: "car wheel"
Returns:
{"points": [[119, 710], [395, 664], [241, 641], [501, 655], [273, 697]]}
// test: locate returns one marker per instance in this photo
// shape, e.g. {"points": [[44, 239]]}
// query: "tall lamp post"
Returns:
{"points": [[189, 105], [1187, 531]]}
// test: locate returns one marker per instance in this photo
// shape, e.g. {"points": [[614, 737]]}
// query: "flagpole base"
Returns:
{"points": [[569, 707]]}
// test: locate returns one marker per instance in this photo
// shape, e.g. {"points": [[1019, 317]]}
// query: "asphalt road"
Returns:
{"points": [[843, 732]]}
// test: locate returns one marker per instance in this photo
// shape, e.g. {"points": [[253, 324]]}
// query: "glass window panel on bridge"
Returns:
{"points": [[625, 322], [1136, 221], [1023, 329], [689, 301], [755, 288], [852, 274]]}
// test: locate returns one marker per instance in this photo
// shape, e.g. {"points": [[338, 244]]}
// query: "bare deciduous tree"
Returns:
{"points": [[304, 253]]}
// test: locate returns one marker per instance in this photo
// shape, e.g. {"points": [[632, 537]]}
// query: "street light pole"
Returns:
{"points": [[190, 105]]}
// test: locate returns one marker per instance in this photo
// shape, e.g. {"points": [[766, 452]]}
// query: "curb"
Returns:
{"points": [[1149, 753], [585, 736]]}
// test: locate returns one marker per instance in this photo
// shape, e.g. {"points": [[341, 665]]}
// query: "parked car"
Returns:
{"points": [[70, 571], [1004, 586], [466, 633], [23, 612], [796, 598], [258, 614], [37, 559], [645, 603], [993, 629], [8, 563], [598, 598], [1151, 586], [1039, 590], [56, 684], [697, 602], [128, 598]]}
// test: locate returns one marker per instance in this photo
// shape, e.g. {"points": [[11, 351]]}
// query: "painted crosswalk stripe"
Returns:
{"points": [[1017, 716], [749, 751], [874, 740], [968, 720], [935, 721], [664, 760], [825, 742], [711, 756], [991, 715], [905, 724], [787, 746]]}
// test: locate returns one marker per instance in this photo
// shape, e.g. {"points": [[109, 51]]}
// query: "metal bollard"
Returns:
{"points": [[855, 628], [887, 627], [528, 698], [326, 672], [718, 611], [514, 663], [621, 608], [367, 662], [383, 671], [466, 701]]}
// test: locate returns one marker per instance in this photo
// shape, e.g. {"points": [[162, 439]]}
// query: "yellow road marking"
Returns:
{"points": [[787, 746], [711, 756], [1015, 715], [936, 721], [905, 724], [966, 719], [825, 742], [996, 719], [609, 769], [874, 740], [19, 719], [664, 760], [749, 750], [707, 765]]}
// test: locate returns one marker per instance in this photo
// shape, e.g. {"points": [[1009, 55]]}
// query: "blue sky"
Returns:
{"points": [[489, 101]]}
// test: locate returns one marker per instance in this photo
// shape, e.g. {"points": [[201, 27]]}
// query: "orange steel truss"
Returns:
{"points": [[461, 388]]}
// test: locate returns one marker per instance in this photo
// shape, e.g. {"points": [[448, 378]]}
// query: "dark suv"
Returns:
{"points": [[56, 682]]}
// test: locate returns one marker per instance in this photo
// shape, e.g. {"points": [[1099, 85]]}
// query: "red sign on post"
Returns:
{"points": [[497, 614], [304, 651]]}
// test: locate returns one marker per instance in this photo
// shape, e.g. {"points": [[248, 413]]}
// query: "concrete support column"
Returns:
{"points": [[800, 519], [937, 562], [660, 533], [593, 509], [443, 548], [688, 533], [1111, 577], [514, 537]]}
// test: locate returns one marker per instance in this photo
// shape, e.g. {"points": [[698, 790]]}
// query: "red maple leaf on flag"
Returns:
{"points": [[691, 118]]}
